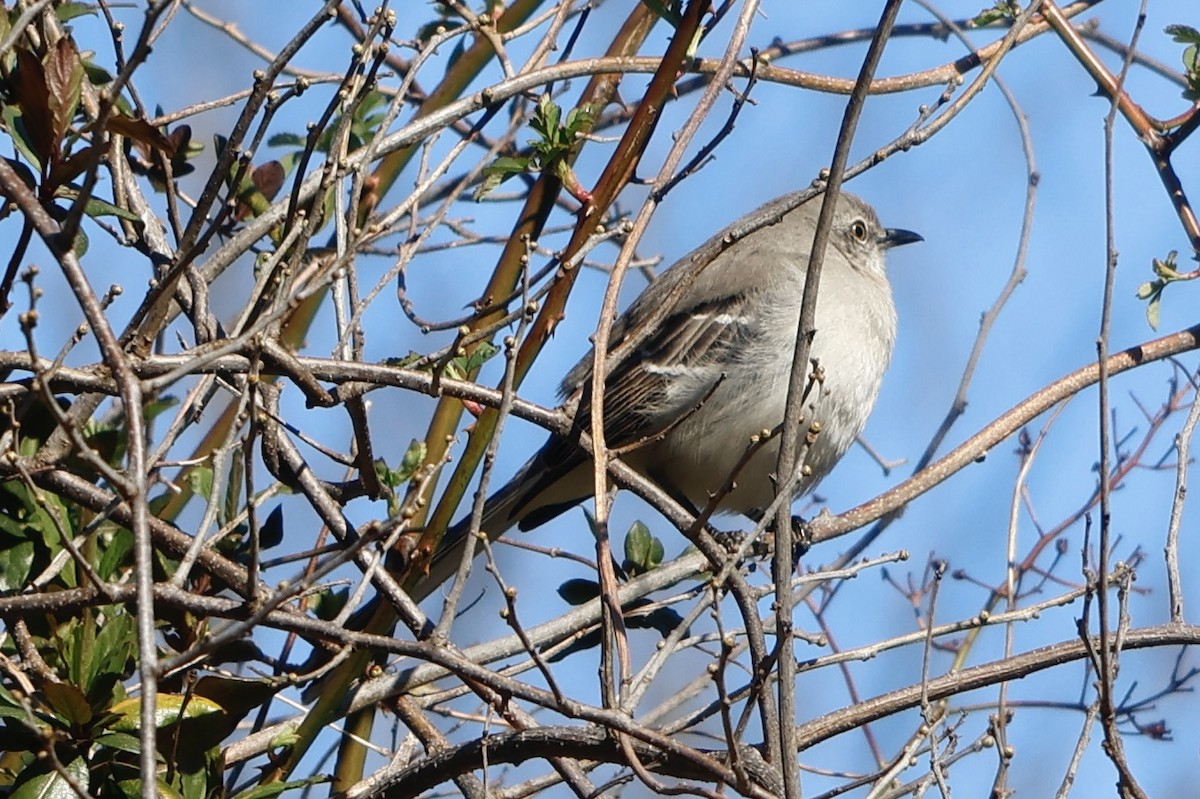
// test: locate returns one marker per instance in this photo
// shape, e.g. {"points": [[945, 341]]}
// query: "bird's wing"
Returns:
{"points": [[642, 396], [670, 372]]}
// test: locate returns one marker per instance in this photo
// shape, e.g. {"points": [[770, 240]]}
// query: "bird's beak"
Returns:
{"points": [[895, 237]]}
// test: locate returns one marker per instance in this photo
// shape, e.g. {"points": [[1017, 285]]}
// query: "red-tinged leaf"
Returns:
{"points": [[70, 168], [143, 162], [268, 178], [256, 193], [31, 94], [142, 131], [64, 82], [180, 138]]}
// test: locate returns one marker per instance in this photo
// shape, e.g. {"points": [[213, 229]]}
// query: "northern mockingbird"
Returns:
{"points": [[714, 371]]}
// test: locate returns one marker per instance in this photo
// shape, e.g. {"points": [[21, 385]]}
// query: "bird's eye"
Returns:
{"points": [[858, 229]]}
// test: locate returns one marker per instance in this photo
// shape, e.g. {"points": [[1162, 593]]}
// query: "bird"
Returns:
{"points": [[714, 372]]}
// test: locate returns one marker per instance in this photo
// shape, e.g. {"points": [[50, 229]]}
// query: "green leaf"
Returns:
{"points": [[200, 480], [669, 14], [287, 140], [499, 171], [507, 164], [551, 151], [579, 591], [41, 781], [166, 711], [80, 245], [25, 517], [465, 367], [484, 351], [1183, 34], [643, 551], [236, 695], [285, 738], [9, 706], [275, 788], [158, 406], [99, 76], [133, 788], [233, 487], [119, 741], [118, 544], [69, 11], [67, 702], [1152, 307], [405, 361], [270, 533], [96, 207], [16, 563], [547, 119], [113, 654], [328, 603], [14, 122], [1165, 271], [997, 13], [194, 781], [414, 456], [109, 436]]}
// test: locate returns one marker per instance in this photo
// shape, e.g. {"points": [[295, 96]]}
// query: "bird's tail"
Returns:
{"points": [[537, 493]]}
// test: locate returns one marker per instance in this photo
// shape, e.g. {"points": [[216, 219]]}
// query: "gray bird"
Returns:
{"points": [[715, 372]]}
